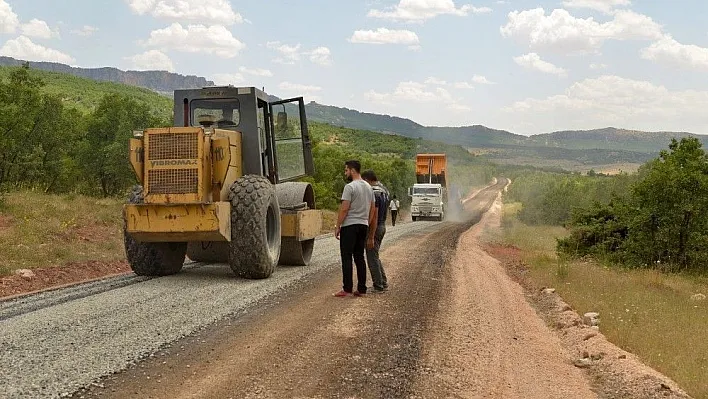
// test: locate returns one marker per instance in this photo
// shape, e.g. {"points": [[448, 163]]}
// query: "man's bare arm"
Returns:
{"points": [[343, 211], [373, 219]]}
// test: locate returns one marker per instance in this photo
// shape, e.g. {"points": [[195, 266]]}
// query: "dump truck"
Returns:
{"points": [[221, 185], [429, 193]]}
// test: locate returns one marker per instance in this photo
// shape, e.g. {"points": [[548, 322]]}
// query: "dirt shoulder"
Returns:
{"points": [[614, 373]]}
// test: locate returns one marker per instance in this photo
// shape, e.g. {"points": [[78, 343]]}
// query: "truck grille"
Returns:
{"points": [[173, 181], [425, 208], [173, 146], [170, 148]]}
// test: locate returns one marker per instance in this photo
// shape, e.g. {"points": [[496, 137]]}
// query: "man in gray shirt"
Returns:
{"points": [[356, 213]]}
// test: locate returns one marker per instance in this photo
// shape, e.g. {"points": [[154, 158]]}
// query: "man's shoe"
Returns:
{"points": [[342, 294], [378, 290], [357, 293]]}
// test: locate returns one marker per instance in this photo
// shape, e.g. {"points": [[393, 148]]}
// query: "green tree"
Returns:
{"points": [[670, 206], [104, 150], [37, 132]]}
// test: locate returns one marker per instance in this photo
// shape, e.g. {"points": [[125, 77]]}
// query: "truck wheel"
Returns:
{"points": [[255, 227], [414, 218], [152, 258]]}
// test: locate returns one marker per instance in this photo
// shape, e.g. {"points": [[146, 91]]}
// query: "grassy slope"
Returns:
{"points": [[84, 94], [38, 229], [644, 312]]}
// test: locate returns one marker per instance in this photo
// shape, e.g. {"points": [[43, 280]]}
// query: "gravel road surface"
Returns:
{"points": [[57, 342]]}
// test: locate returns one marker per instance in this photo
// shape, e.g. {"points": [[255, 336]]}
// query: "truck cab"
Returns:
{"points": [[427, 201], [429, 193]]}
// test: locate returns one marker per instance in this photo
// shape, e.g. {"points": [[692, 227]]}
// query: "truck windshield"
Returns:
{"points": [[425, 191], [220, 113]]}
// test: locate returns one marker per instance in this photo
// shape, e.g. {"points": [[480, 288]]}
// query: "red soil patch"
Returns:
{"points": [[57, 276], [90, 233], [6, 223]]}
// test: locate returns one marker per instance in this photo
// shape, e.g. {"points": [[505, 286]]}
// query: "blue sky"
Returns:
{"points": [[524, 66]]}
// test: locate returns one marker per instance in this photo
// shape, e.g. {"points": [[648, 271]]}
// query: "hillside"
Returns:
{"points": [[84, 94], [611, 138], [160, 81]]}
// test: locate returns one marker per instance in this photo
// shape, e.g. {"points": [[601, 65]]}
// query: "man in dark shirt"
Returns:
{"points": [[377, 232]]}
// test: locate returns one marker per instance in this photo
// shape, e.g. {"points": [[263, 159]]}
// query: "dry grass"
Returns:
{"points": [[644, 312], [40, 230]]}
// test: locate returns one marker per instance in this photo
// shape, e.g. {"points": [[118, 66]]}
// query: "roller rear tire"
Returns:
{"points": [[255, 227]]}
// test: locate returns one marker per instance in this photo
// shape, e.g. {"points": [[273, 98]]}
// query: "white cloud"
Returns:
{"points": [[37, 28], [411, 91], [86, 30], [378, 98], [435, 81], [307, 91], [670, 52], [200, 11], [152, 60], [421, 10], [292, 54], [385, 36], [463, 85], [596, 66], [561, 32], [482, 80], [256, 71], [458, 107], [215, 40], [287, 86], [321, 56], [8, 19], [534, 61], [289, 55], [415, 92], [617, 101], [605, 6], [24, 49], [629, 25], [225, 79]]}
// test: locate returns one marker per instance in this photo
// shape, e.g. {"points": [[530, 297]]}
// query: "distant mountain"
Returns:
{"points": [[467, 136], [478, 136], [160, 81], [620, 142], [354, 119], [611, 138]]}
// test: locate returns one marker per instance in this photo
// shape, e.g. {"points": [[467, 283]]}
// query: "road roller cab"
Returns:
{"points": [[222, 185]]}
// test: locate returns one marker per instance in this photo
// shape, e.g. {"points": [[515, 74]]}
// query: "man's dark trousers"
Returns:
{"points": [[394, 214], [352, 244], [378, 275]]}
